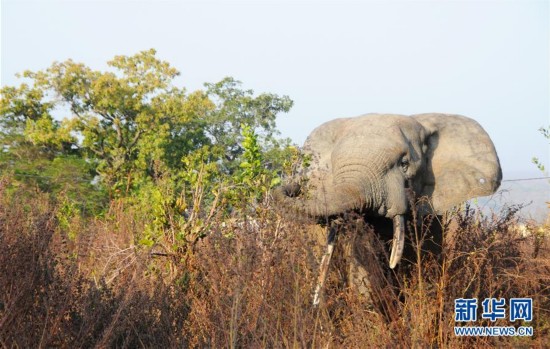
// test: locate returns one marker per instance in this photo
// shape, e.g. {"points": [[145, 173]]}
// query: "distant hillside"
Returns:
{"points": [[532, 193]]}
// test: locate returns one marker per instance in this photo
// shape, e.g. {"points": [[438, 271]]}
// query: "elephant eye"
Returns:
{"points": [[404, 164]]}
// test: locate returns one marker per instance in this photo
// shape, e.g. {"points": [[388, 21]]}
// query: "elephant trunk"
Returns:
{"points": [[287, 194], [322, 202]]}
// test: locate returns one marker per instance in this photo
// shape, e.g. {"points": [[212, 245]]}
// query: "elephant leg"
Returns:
{"points": [[359, 278], [366, 271]]}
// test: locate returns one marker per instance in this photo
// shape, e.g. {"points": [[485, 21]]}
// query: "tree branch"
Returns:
{"points": [[136, 138], [120, 137]]}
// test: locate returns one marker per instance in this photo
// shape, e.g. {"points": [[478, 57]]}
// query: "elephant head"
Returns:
{"points": [[368, 163]]}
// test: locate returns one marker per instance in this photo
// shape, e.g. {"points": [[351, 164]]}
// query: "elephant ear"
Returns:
{"points": [[461, 160]]}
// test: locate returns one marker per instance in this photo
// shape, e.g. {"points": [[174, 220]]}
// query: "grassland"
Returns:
{"points": [[248, 282]]}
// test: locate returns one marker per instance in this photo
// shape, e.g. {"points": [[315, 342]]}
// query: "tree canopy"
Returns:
{"points": [[129, 124]]}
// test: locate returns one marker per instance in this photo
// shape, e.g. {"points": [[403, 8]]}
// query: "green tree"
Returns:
{"points": [[133, 120], [131, 131], [113, 110], [42, 152], [236, 107], [26, 118]]}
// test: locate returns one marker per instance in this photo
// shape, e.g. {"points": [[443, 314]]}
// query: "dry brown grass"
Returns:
{"points": [[249, 285]]}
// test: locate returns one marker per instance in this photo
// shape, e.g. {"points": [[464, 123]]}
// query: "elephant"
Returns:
{"points": [[370, 164]]}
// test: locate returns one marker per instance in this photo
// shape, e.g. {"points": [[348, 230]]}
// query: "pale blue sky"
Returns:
{"points": [[485, 59]]}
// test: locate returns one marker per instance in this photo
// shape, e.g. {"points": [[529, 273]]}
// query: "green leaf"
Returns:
{"points": [[275, 181]]}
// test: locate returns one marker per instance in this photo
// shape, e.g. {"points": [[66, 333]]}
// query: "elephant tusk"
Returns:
{"points": [[398, 240], [325, 263]]}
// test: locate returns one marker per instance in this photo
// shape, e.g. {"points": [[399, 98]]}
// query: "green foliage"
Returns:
{"points": [[41, 152], [133, 121], [49, 134], [253, 180], [159, 205], [178, 158], [113, 110], [236, 107], [69, 176], [252, 157], [65, 215], [19, 104]]}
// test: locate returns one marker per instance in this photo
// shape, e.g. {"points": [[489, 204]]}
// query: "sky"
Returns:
{"points": [[488, 60]]}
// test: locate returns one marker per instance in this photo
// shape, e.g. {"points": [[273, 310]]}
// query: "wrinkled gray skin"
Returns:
{"points": [[366, 163]]}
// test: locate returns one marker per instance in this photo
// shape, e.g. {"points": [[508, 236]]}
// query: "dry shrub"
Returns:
{"points": [[249, 283], [486, 256], [253, 288], [47, 298]]}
